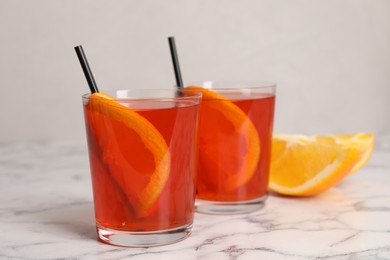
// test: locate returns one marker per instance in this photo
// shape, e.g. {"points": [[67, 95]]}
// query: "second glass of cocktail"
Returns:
{"points": [[235, 136]]}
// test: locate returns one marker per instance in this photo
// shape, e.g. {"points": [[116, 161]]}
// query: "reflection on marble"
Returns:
{"points": [[46, 212]]}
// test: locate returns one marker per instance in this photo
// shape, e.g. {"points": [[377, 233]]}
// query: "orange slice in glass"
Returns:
{"points": [[142, 187], [229, 145], [305, 166]]}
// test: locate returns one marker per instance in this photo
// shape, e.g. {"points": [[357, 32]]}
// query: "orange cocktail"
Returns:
{"points": [[235, 133], [142, 159]]}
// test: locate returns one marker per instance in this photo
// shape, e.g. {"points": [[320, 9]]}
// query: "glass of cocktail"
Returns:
{"points": [[142, 151], [235, 134]]}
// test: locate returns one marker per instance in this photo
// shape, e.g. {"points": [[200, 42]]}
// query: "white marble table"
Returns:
{"points": [[46, 212]]}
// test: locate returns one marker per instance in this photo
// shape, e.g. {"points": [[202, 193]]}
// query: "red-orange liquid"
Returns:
{"points": [[210, 184], [123, 152]]}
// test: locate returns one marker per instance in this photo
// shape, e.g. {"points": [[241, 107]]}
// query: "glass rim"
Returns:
{"points": [[164, 98], [232, 84]]}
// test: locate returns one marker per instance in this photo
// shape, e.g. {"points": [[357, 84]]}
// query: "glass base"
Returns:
{"points": [[143, 238], [229, 207]]}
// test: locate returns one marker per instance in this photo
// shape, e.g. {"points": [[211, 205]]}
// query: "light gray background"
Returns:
{"points": [[330, 59]]}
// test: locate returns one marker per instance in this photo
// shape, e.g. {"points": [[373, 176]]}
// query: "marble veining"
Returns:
{"points": [[46, 212]]}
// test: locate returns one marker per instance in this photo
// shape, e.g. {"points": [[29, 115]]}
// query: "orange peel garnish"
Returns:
{"points": [[152, 139], [242, 125]]}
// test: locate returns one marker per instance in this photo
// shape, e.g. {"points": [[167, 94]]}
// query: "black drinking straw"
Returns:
{"points": [[175, 60], [87, 70]]}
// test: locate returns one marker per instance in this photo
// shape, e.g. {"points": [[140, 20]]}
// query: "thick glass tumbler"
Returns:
{"points": [[142, 151], [235, 136]]}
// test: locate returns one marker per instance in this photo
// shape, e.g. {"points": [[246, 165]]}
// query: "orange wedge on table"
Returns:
{"points": [[104, 107], [304, 166], [364, 142], [224, 128]]}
